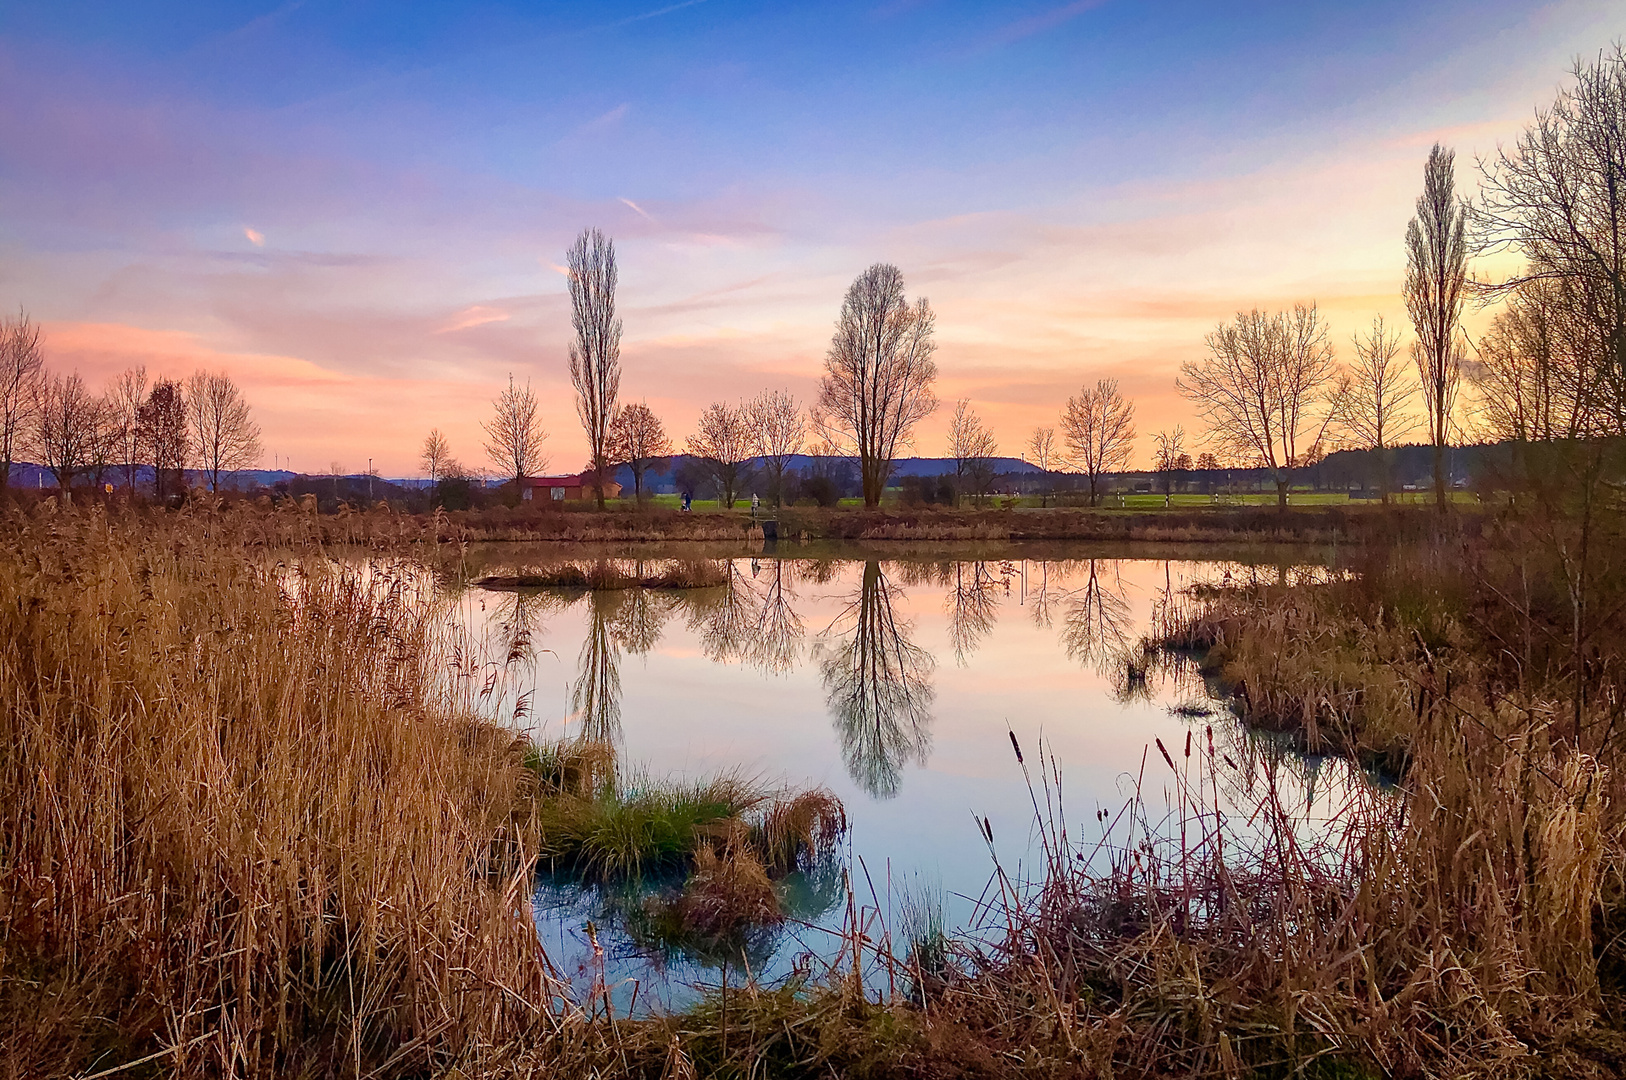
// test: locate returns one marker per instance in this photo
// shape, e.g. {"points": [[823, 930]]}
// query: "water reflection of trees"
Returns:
{"points": [[638, 617], [776, 640], [722, 617], [1097, 619], [973, 605], [878, 687], [595, 696]]}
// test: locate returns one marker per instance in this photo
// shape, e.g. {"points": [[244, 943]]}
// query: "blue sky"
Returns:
{"points": [[357, 209]]}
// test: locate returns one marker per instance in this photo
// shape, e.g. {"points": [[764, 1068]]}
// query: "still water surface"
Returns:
{"points": [[894, 682]]}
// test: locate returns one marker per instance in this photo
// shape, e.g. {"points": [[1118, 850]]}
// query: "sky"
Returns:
{"points": [[359, 210]]}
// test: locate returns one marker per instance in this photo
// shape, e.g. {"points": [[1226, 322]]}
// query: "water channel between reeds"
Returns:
{"points": [[893, 679]]}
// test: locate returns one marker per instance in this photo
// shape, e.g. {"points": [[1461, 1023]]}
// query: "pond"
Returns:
{"points": [[894, 679]]}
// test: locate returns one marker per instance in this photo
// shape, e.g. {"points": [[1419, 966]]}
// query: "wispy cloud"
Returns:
{"points": [[1045, 20], [256, 25], [255, 237], [636, 208], [475, 315], [606, 120], [657, 13]]}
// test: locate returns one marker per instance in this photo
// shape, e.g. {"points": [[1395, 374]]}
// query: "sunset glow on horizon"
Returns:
{"points": [[361, 214]]}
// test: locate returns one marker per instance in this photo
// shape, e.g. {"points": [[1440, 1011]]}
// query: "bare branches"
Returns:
{"points": [[639, 442], [1436, 286], [436, 455], [1041, 447], [778, 430], [1559, 197], [972, 446], [878, 374], [21, 366], [224, 435], [515, 434], [1369, 405], [1170, 457], [165, 437], [124, 400], [1259, 386], [724, 444], [1041, 450], [69, 425], [1532, 374], [1100, 427], [595, 354]]}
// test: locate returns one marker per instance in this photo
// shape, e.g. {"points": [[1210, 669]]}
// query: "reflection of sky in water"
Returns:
{"points": [[892, 683]]}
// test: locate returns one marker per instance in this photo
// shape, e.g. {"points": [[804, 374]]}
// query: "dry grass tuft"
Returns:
{"points": [[240, 821]]}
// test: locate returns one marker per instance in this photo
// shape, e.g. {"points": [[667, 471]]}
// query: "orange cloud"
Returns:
{"points": [[474, 315]]}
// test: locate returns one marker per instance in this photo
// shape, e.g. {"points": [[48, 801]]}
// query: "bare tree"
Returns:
{"points": [[1532, 380], [878, 375], [1559, 197], [165, 437], [104, 454], [723, 443], [128, 393], [68, 428], [778, 429], [1042, 452], [1369, 404], [1170, 458], [224, 435], [514, 436], [21, 366], [1436, 286], [1099, 423], [595, 355], [640, 442], [1260, 385], [971, 444], [436, 455]]}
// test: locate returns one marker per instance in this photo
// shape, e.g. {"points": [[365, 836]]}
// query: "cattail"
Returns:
{"points": [[1016, 746]]}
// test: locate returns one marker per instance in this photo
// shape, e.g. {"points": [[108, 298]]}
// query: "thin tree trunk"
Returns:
{"points": [[1439, 475]]}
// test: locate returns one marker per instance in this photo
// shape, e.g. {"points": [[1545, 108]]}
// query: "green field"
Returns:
{"points": [[1139, 501]]}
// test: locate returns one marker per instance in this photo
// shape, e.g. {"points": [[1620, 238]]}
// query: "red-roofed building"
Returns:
{"points": [[575, 486]]}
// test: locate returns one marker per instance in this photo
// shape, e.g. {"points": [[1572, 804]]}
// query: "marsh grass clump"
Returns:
{"points": [[620, 827], [626, 829], [718, 852]]}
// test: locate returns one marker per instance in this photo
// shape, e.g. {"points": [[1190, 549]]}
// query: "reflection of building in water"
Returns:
{"points": [[878, 686]]}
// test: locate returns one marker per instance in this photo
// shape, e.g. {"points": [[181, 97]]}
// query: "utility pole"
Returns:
{"points": [[369, 479]]}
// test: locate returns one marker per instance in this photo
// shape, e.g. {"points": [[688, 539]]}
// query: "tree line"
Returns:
{"points": [[169, 426]]}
